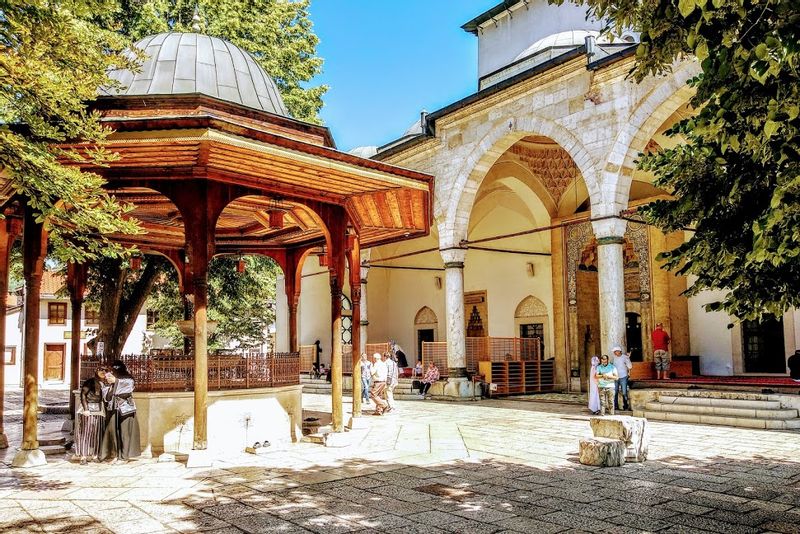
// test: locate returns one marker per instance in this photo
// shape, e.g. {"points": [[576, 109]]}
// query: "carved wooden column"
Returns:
{"points": [[336, 262], [354, 260], [292, 288], [9, 230], [76, 285], [34, 250]]}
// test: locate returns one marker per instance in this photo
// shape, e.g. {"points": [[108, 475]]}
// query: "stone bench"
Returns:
{"points": [[632, 431], [602, 452]]}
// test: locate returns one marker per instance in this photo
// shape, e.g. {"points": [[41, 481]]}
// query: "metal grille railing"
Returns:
{"points": [[175, 372]]}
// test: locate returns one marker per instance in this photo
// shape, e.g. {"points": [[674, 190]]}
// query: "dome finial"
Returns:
{"points": [[196, 27]]}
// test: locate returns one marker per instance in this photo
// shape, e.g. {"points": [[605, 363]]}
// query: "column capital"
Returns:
{"points": [[453, 257], [609, 230]]}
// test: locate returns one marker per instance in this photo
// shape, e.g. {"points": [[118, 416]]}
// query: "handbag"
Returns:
{"points": [[126, 406]]}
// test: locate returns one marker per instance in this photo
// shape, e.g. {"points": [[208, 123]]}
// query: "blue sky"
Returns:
{"points": [[386, 60]]}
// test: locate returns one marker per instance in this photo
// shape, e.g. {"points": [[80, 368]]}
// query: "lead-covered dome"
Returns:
{"points": [[186, 63], [558, 43]]}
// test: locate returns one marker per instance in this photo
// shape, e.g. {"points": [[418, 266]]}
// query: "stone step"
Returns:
{"points": [[52, 450], [720, 403], [743, 422], [52, 440], [719, 410]]}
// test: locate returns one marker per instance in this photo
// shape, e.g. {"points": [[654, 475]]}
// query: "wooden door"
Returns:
{"points": [[54, 362]]}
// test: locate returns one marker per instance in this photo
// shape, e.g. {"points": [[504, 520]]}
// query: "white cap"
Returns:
{"points": [[615, 349]]}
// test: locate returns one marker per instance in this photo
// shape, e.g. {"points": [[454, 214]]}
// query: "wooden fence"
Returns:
{"points": [[175, 372]]}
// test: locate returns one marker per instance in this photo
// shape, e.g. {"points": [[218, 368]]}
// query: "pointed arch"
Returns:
{"points": [[425, 316], [530, 306]]}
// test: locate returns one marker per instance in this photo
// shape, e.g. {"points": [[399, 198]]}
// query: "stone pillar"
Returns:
{"points": [[76, 283], [365, 255], [611, 281], [34, 250], [9, 229], [364, 321], [458, 386]]}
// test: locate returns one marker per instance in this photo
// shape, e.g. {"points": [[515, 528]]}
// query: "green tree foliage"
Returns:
{"points": [[278, 33], [242, 303], [53, 59], [735, 180]]}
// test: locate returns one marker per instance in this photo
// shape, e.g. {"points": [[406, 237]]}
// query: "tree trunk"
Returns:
{"points": [[118, 312]]}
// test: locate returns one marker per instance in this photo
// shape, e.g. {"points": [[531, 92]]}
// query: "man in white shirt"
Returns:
{"points": [[622, 363], [379, 373], [392, 379]]}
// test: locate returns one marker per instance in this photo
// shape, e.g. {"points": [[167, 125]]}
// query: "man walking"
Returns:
{"points": [[661, 351], [622, 363], [392, 379], [379, 374], [606, 378]]}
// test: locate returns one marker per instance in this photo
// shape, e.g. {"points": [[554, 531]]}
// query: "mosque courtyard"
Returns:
{"points": [[488, 466]]}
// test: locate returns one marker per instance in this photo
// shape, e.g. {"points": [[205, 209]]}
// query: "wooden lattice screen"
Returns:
{"points": [[494, 349]]}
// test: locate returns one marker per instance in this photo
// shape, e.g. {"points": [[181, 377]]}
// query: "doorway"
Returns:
{"points": [[633, 335], [532, 331], [763, 347], [54, 362], [424, 335]]}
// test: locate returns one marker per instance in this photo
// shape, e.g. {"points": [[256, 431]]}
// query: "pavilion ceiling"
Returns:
{"points": [[279, 173]]}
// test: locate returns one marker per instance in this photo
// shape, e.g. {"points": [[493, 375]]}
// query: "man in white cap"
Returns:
{"points": [[379, 374], [622, 363]]}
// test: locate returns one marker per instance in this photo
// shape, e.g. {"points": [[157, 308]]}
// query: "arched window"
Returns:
{"points": [[347, 321]]}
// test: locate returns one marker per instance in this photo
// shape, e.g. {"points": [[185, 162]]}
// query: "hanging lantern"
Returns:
{"points": [[240, 265], [136, 263], [323, 260], [276, 219]]}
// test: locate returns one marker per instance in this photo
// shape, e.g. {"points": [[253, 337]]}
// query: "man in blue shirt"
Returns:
{"points": [[606, 377], [622, 362]]}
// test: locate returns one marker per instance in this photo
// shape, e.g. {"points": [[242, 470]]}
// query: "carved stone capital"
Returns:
{"points": [[453, 257]]}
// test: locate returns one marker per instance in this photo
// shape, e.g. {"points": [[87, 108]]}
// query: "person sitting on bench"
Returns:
{"points": [[431, 376]]}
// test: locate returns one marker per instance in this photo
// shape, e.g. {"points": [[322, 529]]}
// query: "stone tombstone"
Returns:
{"points": [[602, 452], [630, 430]]}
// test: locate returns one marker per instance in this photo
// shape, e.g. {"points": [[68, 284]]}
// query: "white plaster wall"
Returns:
{"points": [[281, 316], [315, 308], [499, 44], [709, 336], [13, 373]]}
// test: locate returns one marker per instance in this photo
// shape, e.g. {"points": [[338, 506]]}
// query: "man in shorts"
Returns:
{"points": [[661, 351]]}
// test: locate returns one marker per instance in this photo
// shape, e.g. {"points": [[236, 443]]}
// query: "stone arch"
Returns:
{"points": [[649, 113], [487, 151]]}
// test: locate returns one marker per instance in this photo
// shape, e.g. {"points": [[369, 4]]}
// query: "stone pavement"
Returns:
{"points": [[490, 466]]}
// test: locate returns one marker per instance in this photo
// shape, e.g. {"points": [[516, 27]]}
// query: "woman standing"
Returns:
{"points": [[121, 437], [594, 393], [366, 377], [90, 418]]}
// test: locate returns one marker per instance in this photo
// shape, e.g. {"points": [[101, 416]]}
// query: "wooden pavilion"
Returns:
{"points": [[213, 164]]}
